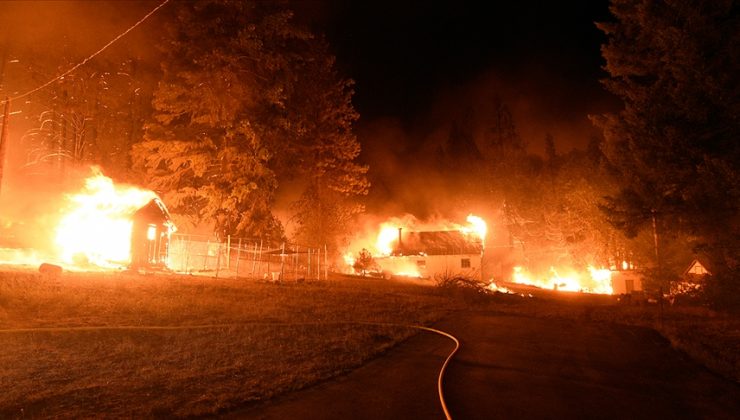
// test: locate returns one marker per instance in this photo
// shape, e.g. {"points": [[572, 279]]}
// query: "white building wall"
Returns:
{"points": [[429, 266]]}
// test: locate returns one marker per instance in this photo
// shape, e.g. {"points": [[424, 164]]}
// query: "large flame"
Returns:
{"points": [[477, 226], [96, 228], [387, 236], [593, 281]]}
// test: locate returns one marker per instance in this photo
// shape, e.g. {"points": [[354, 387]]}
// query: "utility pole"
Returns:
{"points": [[4, 138], [654, 214]]}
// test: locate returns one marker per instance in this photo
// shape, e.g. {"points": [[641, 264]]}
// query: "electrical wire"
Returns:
{"points": [[83, 62]]}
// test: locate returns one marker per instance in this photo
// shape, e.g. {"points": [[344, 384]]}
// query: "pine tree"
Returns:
{"points": [[247, 99], [326, 151], [674, 145]]}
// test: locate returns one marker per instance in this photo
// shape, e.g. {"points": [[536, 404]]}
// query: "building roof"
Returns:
{"points": [[153, 212], [447, 242], [698, 267]]}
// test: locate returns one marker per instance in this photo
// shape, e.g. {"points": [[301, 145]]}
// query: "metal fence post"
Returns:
{"points": [[228, 252], [218, 258], [238, 257], [282, 261], [205, 255]]}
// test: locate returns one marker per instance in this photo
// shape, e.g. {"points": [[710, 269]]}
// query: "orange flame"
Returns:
{"points": [[476, 226], [97, 227], [387, 235], [595, 281]]}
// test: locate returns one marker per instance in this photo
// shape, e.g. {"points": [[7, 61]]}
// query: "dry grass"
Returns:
{"points": [[114, 345]]}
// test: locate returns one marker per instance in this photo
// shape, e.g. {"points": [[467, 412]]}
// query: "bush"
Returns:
{"points": [[458, 285], [723, 291]]}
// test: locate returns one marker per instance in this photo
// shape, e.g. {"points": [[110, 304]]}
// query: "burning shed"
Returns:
{"points": [[150, 236]]}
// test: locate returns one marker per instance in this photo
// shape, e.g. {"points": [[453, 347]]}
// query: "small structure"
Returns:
{"points": [[150, 236], [626, 282], [697, 270], [434, 253], [691, 284]]}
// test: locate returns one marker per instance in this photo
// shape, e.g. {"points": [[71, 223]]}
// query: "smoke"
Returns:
{"points": [[404, 166]]}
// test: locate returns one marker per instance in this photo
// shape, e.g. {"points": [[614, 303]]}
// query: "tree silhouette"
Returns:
{"points": [[674, 145], [247, 99]]}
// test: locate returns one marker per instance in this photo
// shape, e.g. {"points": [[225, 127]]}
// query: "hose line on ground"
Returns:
{"points": [[440, 377]]}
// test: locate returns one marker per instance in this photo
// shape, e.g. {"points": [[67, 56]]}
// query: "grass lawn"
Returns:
{"points": [[130, 345], [118, 345]]}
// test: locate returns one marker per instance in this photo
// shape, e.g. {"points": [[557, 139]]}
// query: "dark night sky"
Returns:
{"points": [[401, 53], [417, 64], [408, 56], [415, 60]]}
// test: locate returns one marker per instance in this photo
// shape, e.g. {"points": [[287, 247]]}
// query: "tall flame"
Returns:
{"points": [[387, 235], [97, 227], [477, 226]]}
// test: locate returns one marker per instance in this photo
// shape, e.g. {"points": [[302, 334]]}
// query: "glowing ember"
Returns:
{"points": [[501, 289], [97, 227], [595, 281]]}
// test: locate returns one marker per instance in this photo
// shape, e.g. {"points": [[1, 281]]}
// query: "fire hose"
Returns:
{"points": [[440, 377]]}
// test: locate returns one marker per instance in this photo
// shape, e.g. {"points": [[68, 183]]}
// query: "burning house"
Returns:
{"points": [[433, 253], [409, 248]]}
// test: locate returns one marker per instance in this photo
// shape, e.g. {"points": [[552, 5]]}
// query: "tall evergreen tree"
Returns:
{"points": [[675, 143], [326, 150], [247, 98]]}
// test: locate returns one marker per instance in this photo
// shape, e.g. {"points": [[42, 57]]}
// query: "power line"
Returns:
{"points": [[83, 62]]}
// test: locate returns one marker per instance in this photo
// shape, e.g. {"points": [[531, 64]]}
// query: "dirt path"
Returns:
{"points": [[520, 367]]}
